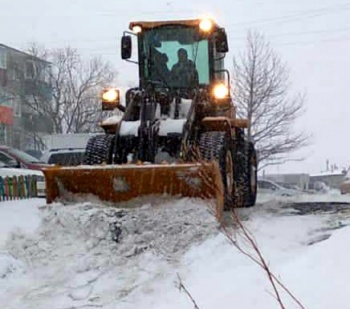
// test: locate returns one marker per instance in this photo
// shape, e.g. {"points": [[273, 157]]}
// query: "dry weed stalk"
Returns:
{"points": [[248, 238], [259, 260], [182, 287]]}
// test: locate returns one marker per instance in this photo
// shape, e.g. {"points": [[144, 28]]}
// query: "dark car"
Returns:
{"points": [[12, 157]]}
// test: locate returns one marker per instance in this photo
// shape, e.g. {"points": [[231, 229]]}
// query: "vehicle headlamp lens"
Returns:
{"points": [[137, 29], [110, 95], [221, 91], [206, 25]]}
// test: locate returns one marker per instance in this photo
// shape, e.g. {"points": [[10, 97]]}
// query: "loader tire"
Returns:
{"points": [[251, 179], [245, 174], [99, 149], [218, 146]]}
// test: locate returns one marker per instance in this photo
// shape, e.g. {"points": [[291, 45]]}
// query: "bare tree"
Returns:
{"points": [[261, 91], [67, 91]]}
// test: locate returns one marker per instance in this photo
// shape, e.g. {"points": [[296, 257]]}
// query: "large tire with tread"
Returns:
{"points": [[218, 146], [251, 179], [246, 174], [99, 149]]}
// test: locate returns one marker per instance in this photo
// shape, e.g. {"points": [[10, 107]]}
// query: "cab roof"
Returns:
{"points": [[154, 24]]}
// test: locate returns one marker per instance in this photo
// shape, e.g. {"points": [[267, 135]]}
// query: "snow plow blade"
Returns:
{"points": [[117, 183]]}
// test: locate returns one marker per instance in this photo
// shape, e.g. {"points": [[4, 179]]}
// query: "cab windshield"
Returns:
{"points": [[175, 57]]}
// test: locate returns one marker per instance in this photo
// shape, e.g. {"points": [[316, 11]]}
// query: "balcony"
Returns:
{"points": [[33, 87]]}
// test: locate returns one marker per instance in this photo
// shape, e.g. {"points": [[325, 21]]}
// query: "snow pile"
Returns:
{"points": [[21, 215], [9, 265], [118, 233], [87, 255], [331, 196]]}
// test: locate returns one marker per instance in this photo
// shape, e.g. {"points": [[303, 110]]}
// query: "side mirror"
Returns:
{"points": [[221, 44], [126, 47]]}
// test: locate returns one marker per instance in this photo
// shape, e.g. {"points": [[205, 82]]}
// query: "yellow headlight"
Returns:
{"points": [[221, 91], [110, 95], [137, 29], [206, 25]]}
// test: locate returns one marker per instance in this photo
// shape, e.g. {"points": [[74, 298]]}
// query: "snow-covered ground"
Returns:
{"points": [[87, 256]]}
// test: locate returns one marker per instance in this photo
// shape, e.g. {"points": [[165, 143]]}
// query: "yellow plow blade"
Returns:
{"points": [[117, 183]]}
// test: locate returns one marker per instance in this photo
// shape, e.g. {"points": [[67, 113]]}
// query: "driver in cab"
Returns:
{"points": [[184, 73]]}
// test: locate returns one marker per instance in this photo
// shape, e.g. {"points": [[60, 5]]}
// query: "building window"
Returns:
{"points": [[17, 73], [2, 134], [42, 71], [17, 108], [3, 58], [3, 77], [30, 70]]}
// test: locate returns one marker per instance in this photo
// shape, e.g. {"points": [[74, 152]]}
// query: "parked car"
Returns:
{"points": [[10, 172], [345, 185], [319, 186], [64, 156], [268, 186], [34, 153], [15, 158]]}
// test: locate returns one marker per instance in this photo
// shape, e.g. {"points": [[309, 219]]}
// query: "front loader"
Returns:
{"points": [[178, 135]]}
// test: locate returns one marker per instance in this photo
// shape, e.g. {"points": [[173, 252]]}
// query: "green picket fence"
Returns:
{"points": [[18, 187]]}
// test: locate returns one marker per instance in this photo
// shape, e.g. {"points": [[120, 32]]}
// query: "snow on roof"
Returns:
{"points": [[69, 140], [328, 173]]}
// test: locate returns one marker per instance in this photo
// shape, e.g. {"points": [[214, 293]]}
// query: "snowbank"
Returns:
{"points": [[332, 196], [22, 214], [85, 255]]}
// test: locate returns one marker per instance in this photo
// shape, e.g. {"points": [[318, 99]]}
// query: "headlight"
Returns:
{"points": [[206, 25], [220, 91], [110, 99], [110, 95], [137, 29]]}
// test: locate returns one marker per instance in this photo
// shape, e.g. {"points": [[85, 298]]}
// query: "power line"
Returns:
{"points": [[318, 12], [108, 50], [302, 43], [115, 39], [295, 43], [333, 31], [310, 42], [298, 15]]}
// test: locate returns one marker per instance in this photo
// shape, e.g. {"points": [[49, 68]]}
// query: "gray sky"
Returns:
{"points": [[313, 36]]}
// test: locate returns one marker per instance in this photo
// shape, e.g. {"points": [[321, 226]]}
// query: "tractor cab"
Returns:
{"points": [[178, 55], [176, 59]]}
